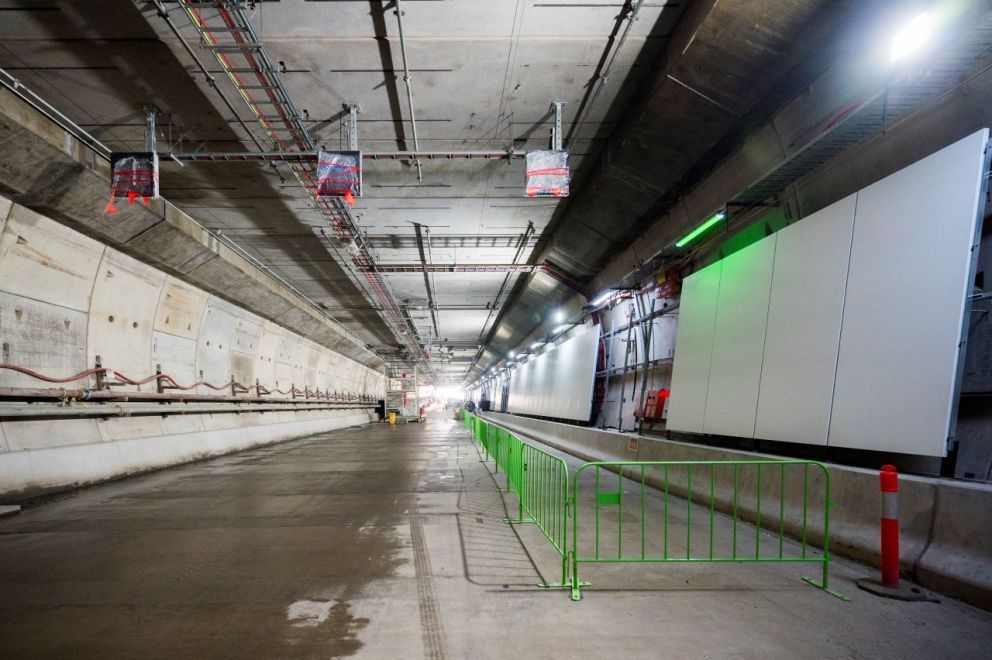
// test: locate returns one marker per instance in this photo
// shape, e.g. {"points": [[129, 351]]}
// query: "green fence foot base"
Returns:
{"points": [[518, 521], [576, 594], [555, 585], [832, 592]]}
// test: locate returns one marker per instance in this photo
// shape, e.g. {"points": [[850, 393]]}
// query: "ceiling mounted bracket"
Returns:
{"points": [[558, 108], [353, 110], [150, 113]]}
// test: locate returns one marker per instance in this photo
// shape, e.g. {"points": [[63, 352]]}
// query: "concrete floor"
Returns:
{"points": [[387, 542]]}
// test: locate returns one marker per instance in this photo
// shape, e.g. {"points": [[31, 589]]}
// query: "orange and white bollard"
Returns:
{"points": [[889, 586]]}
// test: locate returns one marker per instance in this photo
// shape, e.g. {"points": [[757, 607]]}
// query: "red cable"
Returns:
{"points": [[48, 379], [154, 377]]}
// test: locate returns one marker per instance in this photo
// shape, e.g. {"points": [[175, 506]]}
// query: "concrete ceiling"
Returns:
{"points": [[484, 74], [688, 78]]}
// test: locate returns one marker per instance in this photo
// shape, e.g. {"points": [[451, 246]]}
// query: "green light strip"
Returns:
{"points": [[695, 233]]}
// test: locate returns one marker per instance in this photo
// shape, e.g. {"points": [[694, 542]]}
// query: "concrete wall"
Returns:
{"points": [[946, 539], [66, 298]]}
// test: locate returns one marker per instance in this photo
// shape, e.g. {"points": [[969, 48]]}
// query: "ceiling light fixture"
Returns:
{"points": [[912, 37], [698, 231], [602, 299], [559, 316]]}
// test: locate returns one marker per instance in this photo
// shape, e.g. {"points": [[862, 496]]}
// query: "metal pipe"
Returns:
{"points": [[545, 268], [459, 268], [433, 297], [605, 76], [37, 410], [653, 315], [626, 361], [311, 156], [409, 89], [47, 109], [633, 385], [84, 394], [647, 363]]}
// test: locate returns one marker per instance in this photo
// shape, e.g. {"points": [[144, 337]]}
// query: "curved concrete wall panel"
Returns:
{"points": [[41, 260], [65, 298], [122, 313], [180, 309]]}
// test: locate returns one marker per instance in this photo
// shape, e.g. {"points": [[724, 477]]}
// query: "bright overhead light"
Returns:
{"points": [[912, 37], [535, 345], [698, 231], [559, 316], [561, 328], [512, 355], [602, 299]]}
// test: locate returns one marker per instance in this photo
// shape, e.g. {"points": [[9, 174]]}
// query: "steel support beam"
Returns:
{"points": [[547, 269], [311, 157], [408, 80]]}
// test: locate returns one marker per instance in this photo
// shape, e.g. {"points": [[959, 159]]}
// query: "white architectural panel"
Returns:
{"points": [[738, 340], [693, 348], [577, 371], [804, 317], [910, 265], [559, 382]]}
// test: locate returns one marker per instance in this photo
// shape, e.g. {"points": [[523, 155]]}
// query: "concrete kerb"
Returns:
{"points": [[958, 559], [946, 539]]}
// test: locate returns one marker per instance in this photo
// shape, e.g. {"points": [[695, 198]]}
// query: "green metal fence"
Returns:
{"points": [[694, 493], [711, 500], [538, 479], [544, 497]]}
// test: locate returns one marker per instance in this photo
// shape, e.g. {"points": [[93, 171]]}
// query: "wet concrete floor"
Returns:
{"points": [[388, 542]]}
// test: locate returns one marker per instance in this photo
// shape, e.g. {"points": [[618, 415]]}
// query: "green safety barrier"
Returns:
{"points": [[544, 497], [538, 479], [756, 489], [628, 540]]}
